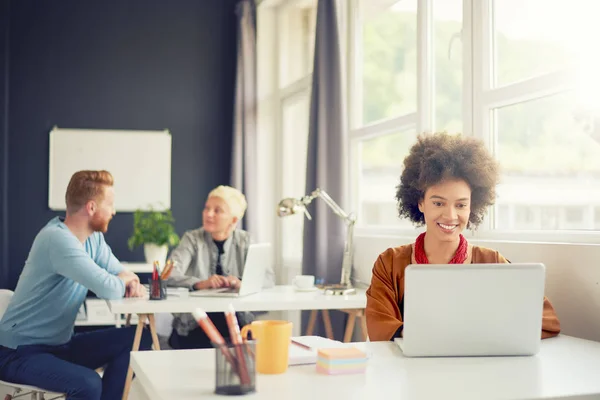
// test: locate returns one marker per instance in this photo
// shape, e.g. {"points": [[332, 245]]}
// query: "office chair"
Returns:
{"points": [[19, 390]]}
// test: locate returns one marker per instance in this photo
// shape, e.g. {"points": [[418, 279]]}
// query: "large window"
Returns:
{"points": [[531, 38], [522, 75], [448, 65], [389, 60], [519, 74], [380, 169], [409, 78], [285, 44], [296, 40], [531, 113], [295, 115]]}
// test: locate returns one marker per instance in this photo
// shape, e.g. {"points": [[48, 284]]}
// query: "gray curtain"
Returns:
{"points": [[245, 145], [324, 236]]}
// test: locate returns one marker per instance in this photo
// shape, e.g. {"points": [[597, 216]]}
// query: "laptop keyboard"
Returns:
{"points": [[228, 290]]}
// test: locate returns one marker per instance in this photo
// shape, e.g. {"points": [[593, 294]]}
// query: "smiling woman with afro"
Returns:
{"points": [[447, 184]]}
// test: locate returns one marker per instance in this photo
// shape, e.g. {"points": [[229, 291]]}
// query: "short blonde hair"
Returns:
{"points": [[234, 199], [85, 186]]}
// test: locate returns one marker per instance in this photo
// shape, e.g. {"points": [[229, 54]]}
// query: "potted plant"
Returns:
{"points": [[153, 229]]}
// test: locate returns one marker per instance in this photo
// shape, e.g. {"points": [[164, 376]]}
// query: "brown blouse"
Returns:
{"points": [[384, 317]]}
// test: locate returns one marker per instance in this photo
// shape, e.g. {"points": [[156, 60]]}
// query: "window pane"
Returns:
{"points": [[379, 173], [550, 164], [447, 19], [389, 64], [296, 24], [294, 147], [533, 37]]}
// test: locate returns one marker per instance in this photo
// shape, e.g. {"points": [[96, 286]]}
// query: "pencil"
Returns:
{"points": [[213, 334], [236, 339], [167, 270]]}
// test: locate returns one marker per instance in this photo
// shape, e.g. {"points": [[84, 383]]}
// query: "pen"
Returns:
{"points": [[236, 339], [301, 345]]}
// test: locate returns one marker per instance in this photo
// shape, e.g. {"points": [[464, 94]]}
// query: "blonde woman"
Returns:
{"points": [[209, 257]]}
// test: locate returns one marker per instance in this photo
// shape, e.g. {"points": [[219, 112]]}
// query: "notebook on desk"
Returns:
{"points": [[301, 356]]}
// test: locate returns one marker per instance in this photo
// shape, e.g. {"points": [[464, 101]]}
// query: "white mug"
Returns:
{"points": [[304, 281]]}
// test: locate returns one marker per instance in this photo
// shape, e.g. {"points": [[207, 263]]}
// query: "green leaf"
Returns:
{"points": [[153, 226]]}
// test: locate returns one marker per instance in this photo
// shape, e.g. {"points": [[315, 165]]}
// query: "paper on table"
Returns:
{"points": [[301, 356]]}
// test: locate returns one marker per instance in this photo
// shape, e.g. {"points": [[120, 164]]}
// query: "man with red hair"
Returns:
{"points": [[69, 257]]}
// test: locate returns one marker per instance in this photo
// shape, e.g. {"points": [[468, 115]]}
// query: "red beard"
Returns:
{"points": [[99, 224]]}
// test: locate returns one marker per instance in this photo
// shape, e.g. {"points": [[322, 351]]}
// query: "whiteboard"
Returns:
{"points": [[140, 162]]}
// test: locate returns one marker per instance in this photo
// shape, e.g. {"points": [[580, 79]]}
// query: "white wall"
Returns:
{"points": [[572, 275]]}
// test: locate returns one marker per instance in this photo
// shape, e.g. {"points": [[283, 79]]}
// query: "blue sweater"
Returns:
{"points": [[54, 283]]}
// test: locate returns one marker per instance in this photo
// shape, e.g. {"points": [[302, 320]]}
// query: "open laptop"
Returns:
{"points": [[258, 259], [472, 309]]}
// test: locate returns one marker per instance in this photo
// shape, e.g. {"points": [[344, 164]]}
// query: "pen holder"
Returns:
{"points": [[235, 368], [157, 289]]}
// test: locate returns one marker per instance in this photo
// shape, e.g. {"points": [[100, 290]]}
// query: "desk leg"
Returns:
{"points": [[350, 325], [136, 346], [327, 321], [155, 342], [128, 320], [363, 326], [311, 322]]}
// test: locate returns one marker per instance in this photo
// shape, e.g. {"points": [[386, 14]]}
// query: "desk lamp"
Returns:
{"points": [[290, 206]]}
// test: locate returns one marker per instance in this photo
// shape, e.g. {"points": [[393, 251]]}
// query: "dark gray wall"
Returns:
{"points": [[114, 64], [4, 29]]}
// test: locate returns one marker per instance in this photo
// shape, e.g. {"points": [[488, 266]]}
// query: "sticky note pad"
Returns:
{"points": [[338, 361]]}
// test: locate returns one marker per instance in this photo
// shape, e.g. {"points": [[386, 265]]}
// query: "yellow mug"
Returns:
{"points": [[272, 344]]}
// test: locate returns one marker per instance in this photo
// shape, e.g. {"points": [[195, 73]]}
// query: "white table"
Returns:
{"points": [[278, 298], [565, 366], [138, 267]]}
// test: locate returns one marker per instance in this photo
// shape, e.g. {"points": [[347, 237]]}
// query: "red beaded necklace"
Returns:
{"points": [[459, 257]]}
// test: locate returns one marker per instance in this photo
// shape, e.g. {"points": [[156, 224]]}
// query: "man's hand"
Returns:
{"points": [[214, 282], [127, 277], [135, 289]]}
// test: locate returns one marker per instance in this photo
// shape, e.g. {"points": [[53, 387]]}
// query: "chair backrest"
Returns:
{"points": [[5, 296]]}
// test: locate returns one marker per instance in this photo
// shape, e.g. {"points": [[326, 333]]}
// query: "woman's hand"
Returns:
{"points": [[234, 282], [214, 282]]}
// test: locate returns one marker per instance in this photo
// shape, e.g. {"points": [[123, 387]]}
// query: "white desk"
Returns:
{"points": [[278, 298], [565, 366]]}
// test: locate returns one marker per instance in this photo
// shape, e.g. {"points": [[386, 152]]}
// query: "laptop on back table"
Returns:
{"points": [[258, 259]]}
